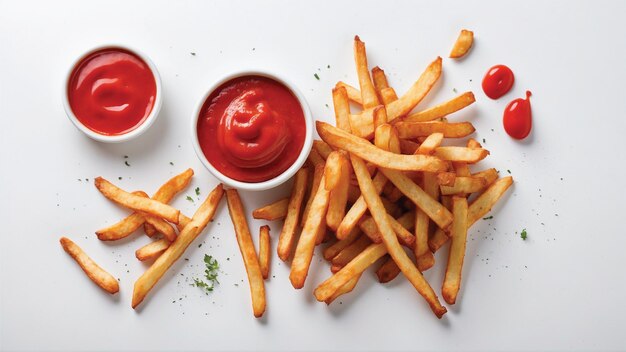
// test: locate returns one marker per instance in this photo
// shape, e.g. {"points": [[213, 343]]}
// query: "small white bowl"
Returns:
{"points": [[126, 136], [287, 174]]}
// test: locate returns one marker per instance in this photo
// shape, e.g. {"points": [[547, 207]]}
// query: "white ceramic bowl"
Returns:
{"points": [[126, 136], [287, 174]]}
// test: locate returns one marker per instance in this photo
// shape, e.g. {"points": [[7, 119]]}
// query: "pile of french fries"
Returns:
{"points": [[382, 183]]}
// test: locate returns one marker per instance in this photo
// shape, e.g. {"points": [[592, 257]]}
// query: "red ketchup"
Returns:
{"points": [[498, 81], [251, 128], [517, 118], [112, 91]]}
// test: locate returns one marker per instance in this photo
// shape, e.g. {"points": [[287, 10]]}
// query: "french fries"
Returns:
{"points": [[135, 202], [368, 93], [462, 154], [264, 250], [152, 250], [331, 251], [442, 110], [463, 44], [286, 237], [452, 280], [98, 275], [337, 182], [388, 271], [484, 202], [347, 288], [198, 222], [353, 94], [246, 247], [408, 130], [350, 252], [464, 184], [318, 172], [272, 211]]}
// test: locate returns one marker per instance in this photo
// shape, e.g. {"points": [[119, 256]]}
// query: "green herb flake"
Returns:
{"points": [[317, 77], [190, 199], [509, 171], [126, 163], [171, 163], [210, 274], [488, 218], [193, 54], [524, 234], [125, 156], [197, 191], [327, 66], [454, 90], [484, 141]]}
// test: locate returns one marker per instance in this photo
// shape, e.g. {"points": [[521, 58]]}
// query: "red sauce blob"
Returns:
{"points": [[112, 91], [517, 117], [251, 128], [498, 81]]}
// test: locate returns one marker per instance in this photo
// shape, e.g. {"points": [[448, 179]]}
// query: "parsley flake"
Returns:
{"points": [[316, 76], [171, 163], [126, 163], [524, 234], [197, 191], [210, 274], [488, 218], [509, 171], [190, 199]]}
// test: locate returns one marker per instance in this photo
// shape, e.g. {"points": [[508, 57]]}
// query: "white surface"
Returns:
{"points": [[563, 288]]}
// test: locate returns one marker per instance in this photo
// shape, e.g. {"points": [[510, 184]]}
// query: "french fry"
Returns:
{"points": [[363, 149], [353, 93], [264, 250], [199, 221], [452, 280], [152, 250], [466, 155], [431, 187], [409, 147], [463, 44], [306, 244], [331, 251], [408, 130], [368, 93], [472, 143], [347, 288], [342, 108], [461, 169], [334, 169], [315, 158], [322, 148], [485, 201], [98, 275], [464, 185], [157, 224], [387, 271], [246, 247], [135, 202], [425, 262], [389, 237], [273, 211], [388, 95], [442, 110], [338, 191], [359, 208], [440, 237], [317, 177], [490, 175], [429, 145], [379, 78], [285, 240], [149, 229], [164, 194], [380, 116], [350, 252], [446, 178]]}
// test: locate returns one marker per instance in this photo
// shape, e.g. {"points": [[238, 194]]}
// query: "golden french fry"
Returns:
{"points": [[408, 130], [199, 221], [157, 224], [388, 95], [152, 250], [322, 148], [342, 108], [331, 251], [463, 185], [334, 169], [490, 175], [429, 145], [273, 211], [98, 275], [409, 147], [472, 143], [246, 247], [452, 280], [484, 202], [285, 240], [380, 116], [461, 169], [431, 187], [350, 252], [379, 78], [364, 149], [347, 288], [338, 191], [149, 229], [387, 271], [264, 250], [317, 177], [368, 93], [463, 44], [442, 110], [315, 158], [425, 262], [353, 93], [466, 155], [310, 232], [137, 203], [446, 178], [440, 237], [352, 217]]}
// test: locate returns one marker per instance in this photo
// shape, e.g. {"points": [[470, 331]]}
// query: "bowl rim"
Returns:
{"points": [[304, 152], [156, 108]]}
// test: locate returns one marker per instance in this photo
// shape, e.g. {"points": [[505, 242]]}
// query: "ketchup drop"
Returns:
{"points": [[517, 117], [498, 81]]}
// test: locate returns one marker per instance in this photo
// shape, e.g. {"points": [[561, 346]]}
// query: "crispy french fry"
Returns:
{"points": [[149, 229], [347, 288], [306, 244], [379, 78], [463, 44], [452, 280], [442, 110], [425, 262], [472, 143], [317, 177], [359, 208], [157, 224], [322, 148], [466, 155], [285, 240], [490, 175], [392, 245], [368, 93], [246, 247], [409, 147], [380, 116], [350, 252], [387, 271], [273, 211], [353, 93], [410, 130], [484, 202], [315, 158], [363, 149], [338, 191], [342, 108], [264, 250], [464, 185], [388, 95], [461, 169], [152, 250], [98, 275], [199, 221], [440, 237], [431, 187], [446, 178], [331, 251], [334, 169], [135, 202]]}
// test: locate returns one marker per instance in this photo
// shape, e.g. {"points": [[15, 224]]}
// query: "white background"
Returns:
{"points": [[562, 288]]}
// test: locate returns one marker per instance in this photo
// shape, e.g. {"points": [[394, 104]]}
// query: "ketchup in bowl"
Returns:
{"points": [[251, 128], [112, 91]]}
